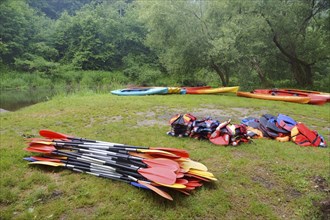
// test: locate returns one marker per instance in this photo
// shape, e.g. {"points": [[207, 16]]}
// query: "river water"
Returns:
{"points": [[12, 100]]}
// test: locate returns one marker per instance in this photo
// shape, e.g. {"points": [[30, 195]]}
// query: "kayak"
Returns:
{"points": [[295, 99], [190, 88], [315, 99], [140, 91], [175, 90], [323, 94], [233, 89]]}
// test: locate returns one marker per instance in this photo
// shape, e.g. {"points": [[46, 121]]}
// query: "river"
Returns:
{"points": [[12, 100]]}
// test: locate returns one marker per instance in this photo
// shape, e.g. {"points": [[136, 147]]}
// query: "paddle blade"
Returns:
{"points": [[178, 152], [52, 134], [159, 174], [156, 190], [158, 153], [48, 163], [175, 185], [190, 164], [30, 159], [162, 162], [45, 159], [40, 150]]}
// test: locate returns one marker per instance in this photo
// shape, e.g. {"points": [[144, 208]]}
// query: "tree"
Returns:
{"points": [[299, 33], [191, 35]]}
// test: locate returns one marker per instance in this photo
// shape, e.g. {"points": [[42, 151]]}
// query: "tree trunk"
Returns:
{"points": [[302, 73], [223, 76], [261, 74], [301, 70]]}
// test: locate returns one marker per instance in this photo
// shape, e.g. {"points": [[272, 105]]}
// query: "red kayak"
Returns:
{"points": [[323, 94], [315, 99]]}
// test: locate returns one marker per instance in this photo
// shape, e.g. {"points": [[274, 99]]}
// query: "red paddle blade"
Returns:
{"points": [[162, 162], [179, 174], [40, 145], [181, 181], [159, 175], [53, 134], [156, 190], [193, 184], [40, 150], [178, 152]]}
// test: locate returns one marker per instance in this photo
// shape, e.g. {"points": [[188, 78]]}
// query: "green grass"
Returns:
{"points": [[262, 180]]}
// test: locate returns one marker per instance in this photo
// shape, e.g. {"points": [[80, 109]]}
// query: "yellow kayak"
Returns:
{"points": [[296, 99], [233, 89], [173, 90]]}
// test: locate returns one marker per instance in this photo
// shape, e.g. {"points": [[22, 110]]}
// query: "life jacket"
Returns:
{"points": [[269, 128], [181, 124], [303, 136], [285, 122], [202, 129], [229, 134], [251, 122]]}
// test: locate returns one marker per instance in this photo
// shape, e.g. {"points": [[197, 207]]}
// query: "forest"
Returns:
{"points": [[253, 44]]}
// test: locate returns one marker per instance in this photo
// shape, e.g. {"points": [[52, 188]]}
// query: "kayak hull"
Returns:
{"points": [[233, 89], [295, 99], [309, 92], [140, 91], [315, 99]]}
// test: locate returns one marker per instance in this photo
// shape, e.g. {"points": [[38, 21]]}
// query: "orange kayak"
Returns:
{"points": [[315, 99], [295, 99]]}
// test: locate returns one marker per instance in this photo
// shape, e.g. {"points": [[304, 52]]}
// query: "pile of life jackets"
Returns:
{"points": [[281, 128], [225, 133]]}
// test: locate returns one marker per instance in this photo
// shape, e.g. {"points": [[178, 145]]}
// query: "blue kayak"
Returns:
{"points": [[140, 91]]}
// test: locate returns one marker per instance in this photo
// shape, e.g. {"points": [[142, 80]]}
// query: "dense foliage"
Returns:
{"points": [[248, 43]]}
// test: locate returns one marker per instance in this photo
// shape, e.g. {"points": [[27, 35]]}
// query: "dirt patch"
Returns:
{"points": [[320, 184], [262, 177], [324, 207], [153, 122], [292, 194], [225, 114], [262, 181]]}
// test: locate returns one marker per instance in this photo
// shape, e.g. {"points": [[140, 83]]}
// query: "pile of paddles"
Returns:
{"points": [[281, 128], [157, 169]]}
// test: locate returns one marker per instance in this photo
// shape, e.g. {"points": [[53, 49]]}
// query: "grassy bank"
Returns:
{"points": [[263, 180]]}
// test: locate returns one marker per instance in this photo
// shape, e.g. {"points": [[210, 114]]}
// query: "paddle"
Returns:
{"points": [[187, 164], [162, 162], [51, 134], [108, 148], [156, 174], [131, 180]]}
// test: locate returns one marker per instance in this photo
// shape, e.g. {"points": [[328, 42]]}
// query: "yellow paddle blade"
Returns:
{"points": [[42, 142], [204, 174], [190, 164], [48, 163], [175, 185]]}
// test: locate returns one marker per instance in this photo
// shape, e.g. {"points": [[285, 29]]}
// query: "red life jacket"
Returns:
{"points": [[303, 136]]}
